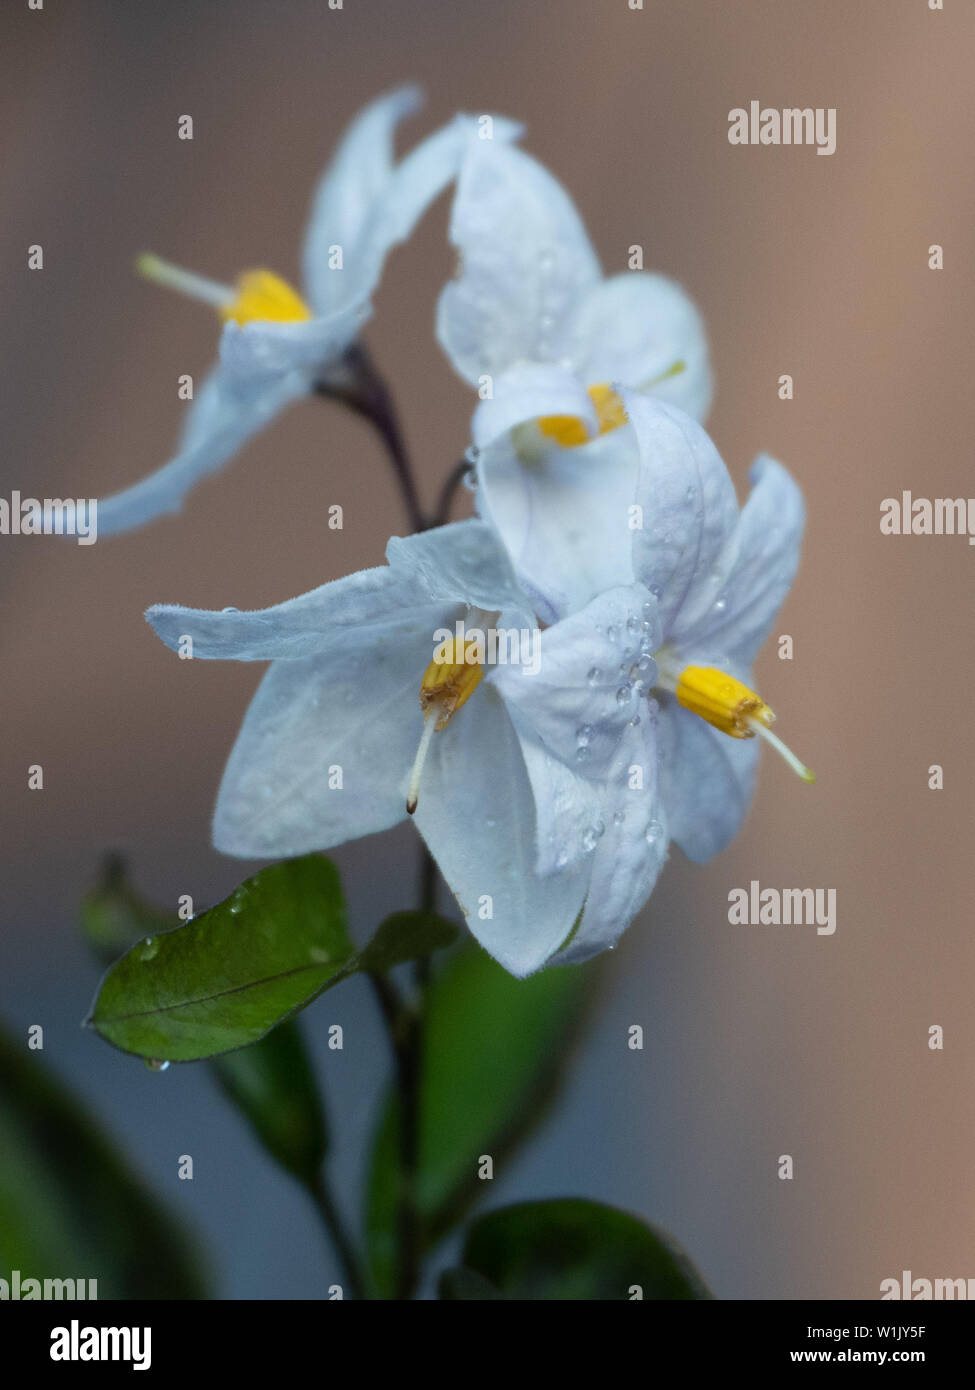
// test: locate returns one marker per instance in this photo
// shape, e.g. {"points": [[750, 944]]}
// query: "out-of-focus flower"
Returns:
{"points": [[533, 781], [531, 321], [277, 344]]}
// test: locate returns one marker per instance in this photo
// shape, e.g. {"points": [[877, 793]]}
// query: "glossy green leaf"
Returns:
{"points": [[273, 1085], [569, 1249], [70, 1206], [114, 916], [494, 1050], [227, 977]]}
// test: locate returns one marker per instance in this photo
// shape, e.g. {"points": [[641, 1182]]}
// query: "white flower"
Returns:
{"points": [[276, 345], [535, 789], [662, 513], [531, 321], [550, 343]]}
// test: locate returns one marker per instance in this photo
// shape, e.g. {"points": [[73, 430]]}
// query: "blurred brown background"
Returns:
{"points": [[759, 1041]]}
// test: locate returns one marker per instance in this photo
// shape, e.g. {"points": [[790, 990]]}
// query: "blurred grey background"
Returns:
{"points": [[759, 1041]]}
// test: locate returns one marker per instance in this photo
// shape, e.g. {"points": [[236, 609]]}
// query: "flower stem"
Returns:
{"points": [[404, 1024], [320, 1193], [358, 383], [453, 480]]}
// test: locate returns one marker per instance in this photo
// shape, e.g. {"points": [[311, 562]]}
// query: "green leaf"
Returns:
{"points": [[494, 1049], [273, 1084], [405, 936], [464, 1284], [223, 980], [227, 977], [575, 1249], [114, 916], [70, 1206]]}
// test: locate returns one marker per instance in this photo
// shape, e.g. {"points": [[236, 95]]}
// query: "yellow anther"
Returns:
{"points": [[260, 294], [721, 700], [734, 709], [450, 680], [569, 430]]}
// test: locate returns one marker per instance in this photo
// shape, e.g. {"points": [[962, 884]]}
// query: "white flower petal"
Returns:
{"points": [[634, 329], [631, 850], [589, 681], [706, 778], [311, 719], [254, 352], [459, 563], [525, 259], [755, 570], [563, 516], [326, 619], [568, 807], [526, 392], [355, 178], [415, 183], [688, 506], [218, 423], [477, 814]]}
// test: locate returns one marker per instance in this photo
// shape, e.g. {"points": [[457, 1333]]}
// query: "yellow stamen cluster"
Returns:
{"points": [[734, 709], [450, 680], [570, 430], [263, 295], [722, 701]]}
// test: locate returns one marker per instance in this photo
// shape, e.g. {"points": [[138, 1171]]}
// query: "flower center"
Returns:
{"points": [[258, 294], [728, 705], [569, 430], [448, 682]]}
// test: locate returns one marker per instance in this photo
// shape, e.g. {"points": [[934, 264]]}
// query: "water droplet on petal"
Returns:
{"points": [[625, 694], [592, 835], [149, 948], [583, 753], [230, 610], [472, 453], [654, 832], [619, 817], [594, 675], [584, 735]]}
